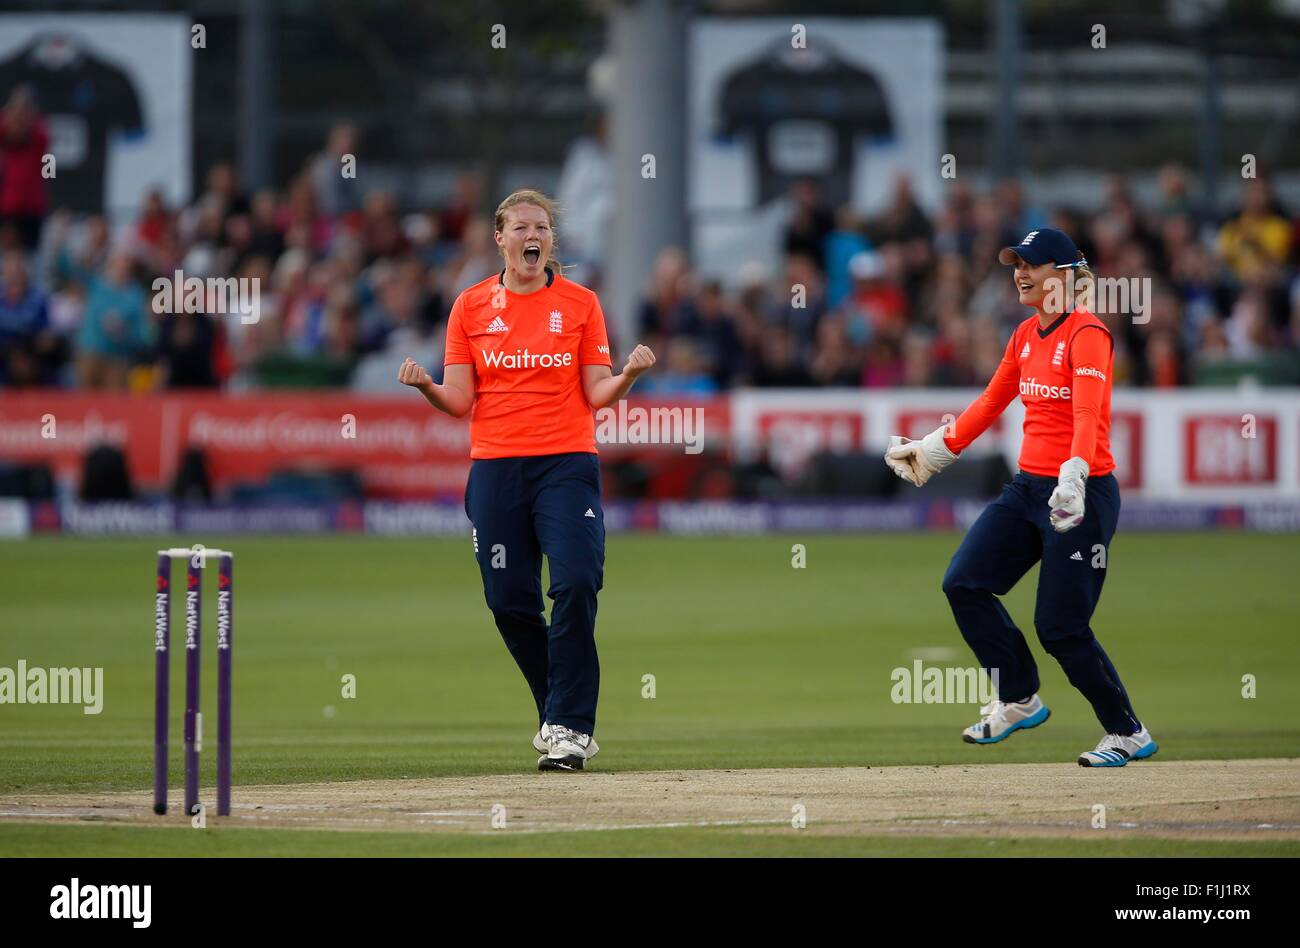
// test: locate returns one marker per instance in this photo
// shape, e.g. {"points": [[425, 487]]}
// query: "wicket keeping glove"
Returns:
{"points": [[1067, 500], [918, 461]]}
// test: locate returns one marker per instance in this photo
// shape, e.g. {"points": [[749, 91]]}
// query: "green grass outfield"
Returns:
{"points": [[756, 664]]}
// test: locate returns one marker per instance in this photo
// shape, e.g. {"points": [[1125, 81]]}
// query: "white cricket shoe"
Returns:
{"points": [[566, 748], [1116, 750], [1003, 718], [542, 742]]}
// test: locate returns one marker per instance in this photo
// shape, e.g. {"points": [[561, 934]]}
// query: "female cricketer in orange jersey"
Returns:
{"points": [[528, 354], [1061, 508]]}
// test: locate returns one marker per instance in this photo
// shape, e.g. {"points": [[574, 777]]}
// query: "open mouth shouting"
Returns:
{"points": [[532, 253]]}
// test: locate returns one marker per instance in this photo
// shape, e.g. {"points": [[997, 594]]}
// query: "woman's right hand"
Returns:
{"points": [[413, 374]]}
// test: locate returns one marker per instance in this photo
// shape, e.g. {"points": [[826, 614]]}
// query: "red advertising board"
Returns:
{"points": [[400, 446], [1230, 450], [792, 436], [1126, 447]]}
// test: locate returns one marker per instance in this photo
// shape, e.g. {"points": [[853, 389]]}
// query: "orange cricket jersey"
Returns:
{"points": [[527, 351], [1063, 376]]}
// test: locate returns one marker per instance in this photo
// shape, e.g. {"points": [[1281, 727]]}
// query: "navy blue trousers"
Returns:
{"points": [[1010, 536], [522, 509]]}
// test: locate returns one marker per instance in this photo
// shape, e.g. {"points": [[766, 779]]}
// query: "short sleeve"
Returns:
{"points": [[457, 345], [595, 340]]}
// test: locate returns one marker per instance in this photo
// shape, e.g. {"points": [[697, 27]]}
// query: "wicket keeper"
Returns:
{"points": [[1061, 509]]}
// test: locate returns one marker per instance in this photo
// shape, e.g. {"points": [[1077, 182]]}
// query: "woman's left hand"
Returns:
{"points": [[639, 361]]}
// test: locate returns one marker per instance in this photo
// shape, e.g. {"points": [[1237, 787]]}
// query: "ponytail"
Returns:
{"points": [[1085, 285]]}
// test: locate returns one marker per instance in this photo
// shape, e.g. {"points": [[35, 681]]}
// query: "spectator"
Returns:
{"points": [[24, 143], [585, 193], [1247, 329], [220, 199], [778, 365], [479, 256], [844, 243], [185, 350], [661, 309], [810, 224], [1018, 216], [835, 360], [396, 310], [347, 274], [335, 195], [683, 371], [301, 221], [83, 252], [464, 206], [800, 304], [28, 348], [1171, 184], [381, 228], [884, 364], [715, 332], [903, 219], [153, 222], [877, 305], [1257, 241], [266, 239], [114, 331]]}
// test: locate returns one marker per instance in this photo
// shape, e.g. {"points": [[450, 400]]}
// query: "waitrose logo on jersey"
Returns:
{"points": [[1036, 389], [523, 359]]}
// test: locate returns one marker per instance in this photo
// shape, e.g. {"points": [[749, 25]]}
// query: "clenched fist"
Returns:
{"points": [[413, 374], [639, 361]]}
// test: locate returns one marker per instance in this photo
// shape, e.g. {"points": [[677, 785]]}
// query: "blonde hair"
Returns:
{"points": [[537, 199], [1085, 285]]}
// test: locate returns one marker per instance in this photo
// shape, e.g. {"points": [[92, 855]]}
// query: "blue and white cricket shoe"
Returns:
{"points": [[1003, 718], [1116, 750]]}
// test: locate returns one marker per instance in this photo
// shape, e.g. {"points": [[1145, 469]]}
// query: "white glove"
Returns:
{"points": [[1067, 500], [917, 461]]}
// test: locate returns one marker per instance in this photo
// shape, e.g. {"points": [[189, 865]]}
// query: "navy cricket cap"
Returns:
{"points": [[1044, 245]]}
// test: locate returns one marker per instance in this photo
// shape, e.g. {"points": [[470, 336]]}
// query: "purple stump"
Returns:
{"points": [[161, 644], [225, 639], [193, 593]]}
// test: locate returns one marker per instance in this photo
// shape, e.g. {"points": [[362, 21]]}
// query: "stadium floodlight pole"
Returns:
{"points": [[257, 83], [1211, 125], [1008, 31], [648, 39]]}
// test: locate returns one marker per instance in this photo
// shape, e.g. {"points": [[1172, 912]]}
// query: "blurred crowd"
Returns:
{"points": [[908, 299], [351, 283]]}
